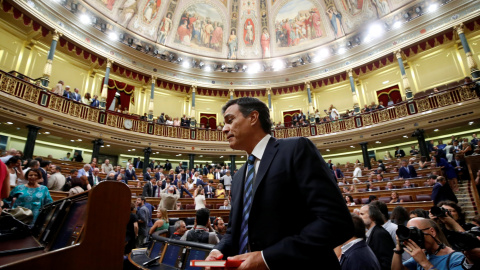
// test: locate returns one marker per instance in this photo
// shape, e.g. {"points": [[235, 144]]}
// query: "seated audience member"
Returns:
{"points": [[442, 191], [179, 206], [349, 200], [209, 190], [400, 215], [356, 181], [220, 192], [162, 221], [371, 187], [226, 205], [219, 227], [413, 151], [130, 173], [337, 173], [394, 198], [31, 195], [203, 231], [407, 171], [372, 198], [79, 185], [437, 255], [379, 177], [94, 177], [169, 199], [343, 182], [57, 180], [389, 186], [378, 239], [431, 180], [407, 184], [419, 212], [180, 229], [356, 254]]}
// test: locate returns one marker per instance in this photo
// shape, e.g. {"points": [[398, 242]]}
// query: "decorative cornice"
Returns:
{"points": [[459, 28]]}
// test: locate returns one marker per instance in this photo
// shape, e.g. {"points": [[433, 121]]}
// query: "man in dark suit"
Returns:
{"points": [[178, 168], [460, 168], [67, 93], [152, 164], [378, 239], [139, 163], [130, 173], [337, 173], [278, 173], [75, 95], [93, 177], [217, 174], [442, 191], [209, 190], [205, 170], [95, 103], [148, 190], [407, 171], [168, 166], [146, 175], [356, 254], [399, 152]]}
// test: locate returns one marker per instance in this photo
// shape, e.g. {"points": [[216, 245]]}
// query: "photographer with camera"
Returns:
{"points": [[428, 246]]}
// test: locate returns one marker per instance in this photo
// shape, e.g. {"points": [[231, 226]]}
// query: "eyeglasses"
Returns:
{"points": [[424, 229]]}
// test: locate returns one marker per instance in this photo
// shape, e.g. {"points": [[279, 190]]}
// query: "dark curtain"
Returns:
{"points": [[125, 90], [208, 120], [287, 117]]}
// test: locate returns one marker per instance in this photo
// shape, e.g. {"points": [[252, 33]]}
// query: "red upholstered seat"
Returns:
{"points": [[364, 200], [384, 199], [218, 205], [406, 198], [423, 197], [209, 206], [357, 201], [190, 206]]}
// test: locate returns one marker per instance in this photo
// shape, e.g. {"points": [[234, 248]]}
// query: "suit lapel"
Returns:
{"points": [[237, 188], [267, 158]]}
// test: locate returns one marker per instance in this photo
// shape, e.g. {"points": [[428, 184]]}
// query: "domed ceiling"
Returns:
{"points": [[243, 29]]}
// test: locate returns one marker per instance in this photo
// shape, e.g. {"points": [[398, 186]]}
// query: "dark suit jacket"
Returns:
{"points": [[215, 175], [401, 152], [146, 177], [95, 103], [443, 193], [67, 94], [339, 174], [463, 172], [147, 190], [138, 165], [403, 173], [168, 167], [381, 243], [177, 169], [359, 257], [130, 176], [292, 178], [206, 190], [90, 179]]}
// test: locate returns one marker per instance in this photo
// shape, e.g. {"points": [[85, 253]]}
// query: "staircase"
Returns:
{"points": [[465, 200]]}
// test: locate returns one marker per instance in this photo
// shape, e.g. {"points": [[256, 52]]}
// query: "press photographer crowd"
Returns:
{"points": [[439, 238]]}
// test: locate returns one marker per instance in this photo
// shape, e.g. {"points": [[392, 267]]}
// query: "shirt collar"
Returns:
{"points": [[260, 147], [369, 232], [348, 245]]}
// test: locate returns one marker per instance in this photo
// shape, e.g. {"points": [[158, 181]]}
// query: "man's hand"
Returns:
{"points": [[214, 255], [252, 260], [417, 253]]}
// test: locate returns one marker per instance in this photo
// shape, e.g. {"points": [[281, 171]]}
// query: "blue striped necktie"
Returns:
{"points": [[247, 204]]}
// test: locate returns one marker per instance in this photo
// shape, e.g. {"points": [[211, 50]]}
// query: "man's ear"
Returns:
{"points": [[254, 117]]}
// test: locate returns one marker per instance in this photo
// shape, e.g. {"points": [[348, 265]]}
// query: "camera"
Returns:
{"points": [[464, 240], [413, 233], [439, 212]]}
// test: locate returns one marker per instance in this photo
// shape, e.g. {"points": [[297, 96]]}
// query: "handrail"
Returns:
{"points": [[35, 94]]}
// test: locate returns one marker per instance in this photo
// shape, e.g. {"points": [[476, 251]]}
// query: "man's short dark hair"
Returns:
{"points": [[68, 153], [143, 199], [247, 105], [72, 171], [382, 207], [58, 168], [32, 163], [202, 216], [211, 181], [359, 227], [375, 215], [432, 176], [45, 163]]}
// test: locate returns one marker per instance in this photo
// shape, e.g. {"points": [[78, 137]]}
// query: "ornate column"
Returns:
{"points": [[232, 92], [470, 60], [97, 143], [354, 92], [103, 99], [232, 162], [47, 70], [269, 95], [366, 159], [192, 112], [406, 83], [146, 158], [191, 160], [30, 143], [152, 93], [309, 95]]}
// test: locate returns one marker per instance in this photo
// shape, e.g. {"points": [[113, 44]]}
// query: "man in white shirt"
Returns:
{"points": [[357, 172], [227, 182], [85, 170], [58, 89], [56, 180]]}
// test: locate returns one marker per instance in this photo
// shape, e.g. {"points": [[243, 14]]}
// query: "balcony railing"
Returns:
{"points": [[25, 90]]}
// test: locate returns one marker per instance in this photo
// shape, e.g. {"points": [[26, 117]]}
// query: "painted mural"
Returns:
{"points": [[200, 27], [244, 29], [298, 22]]}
